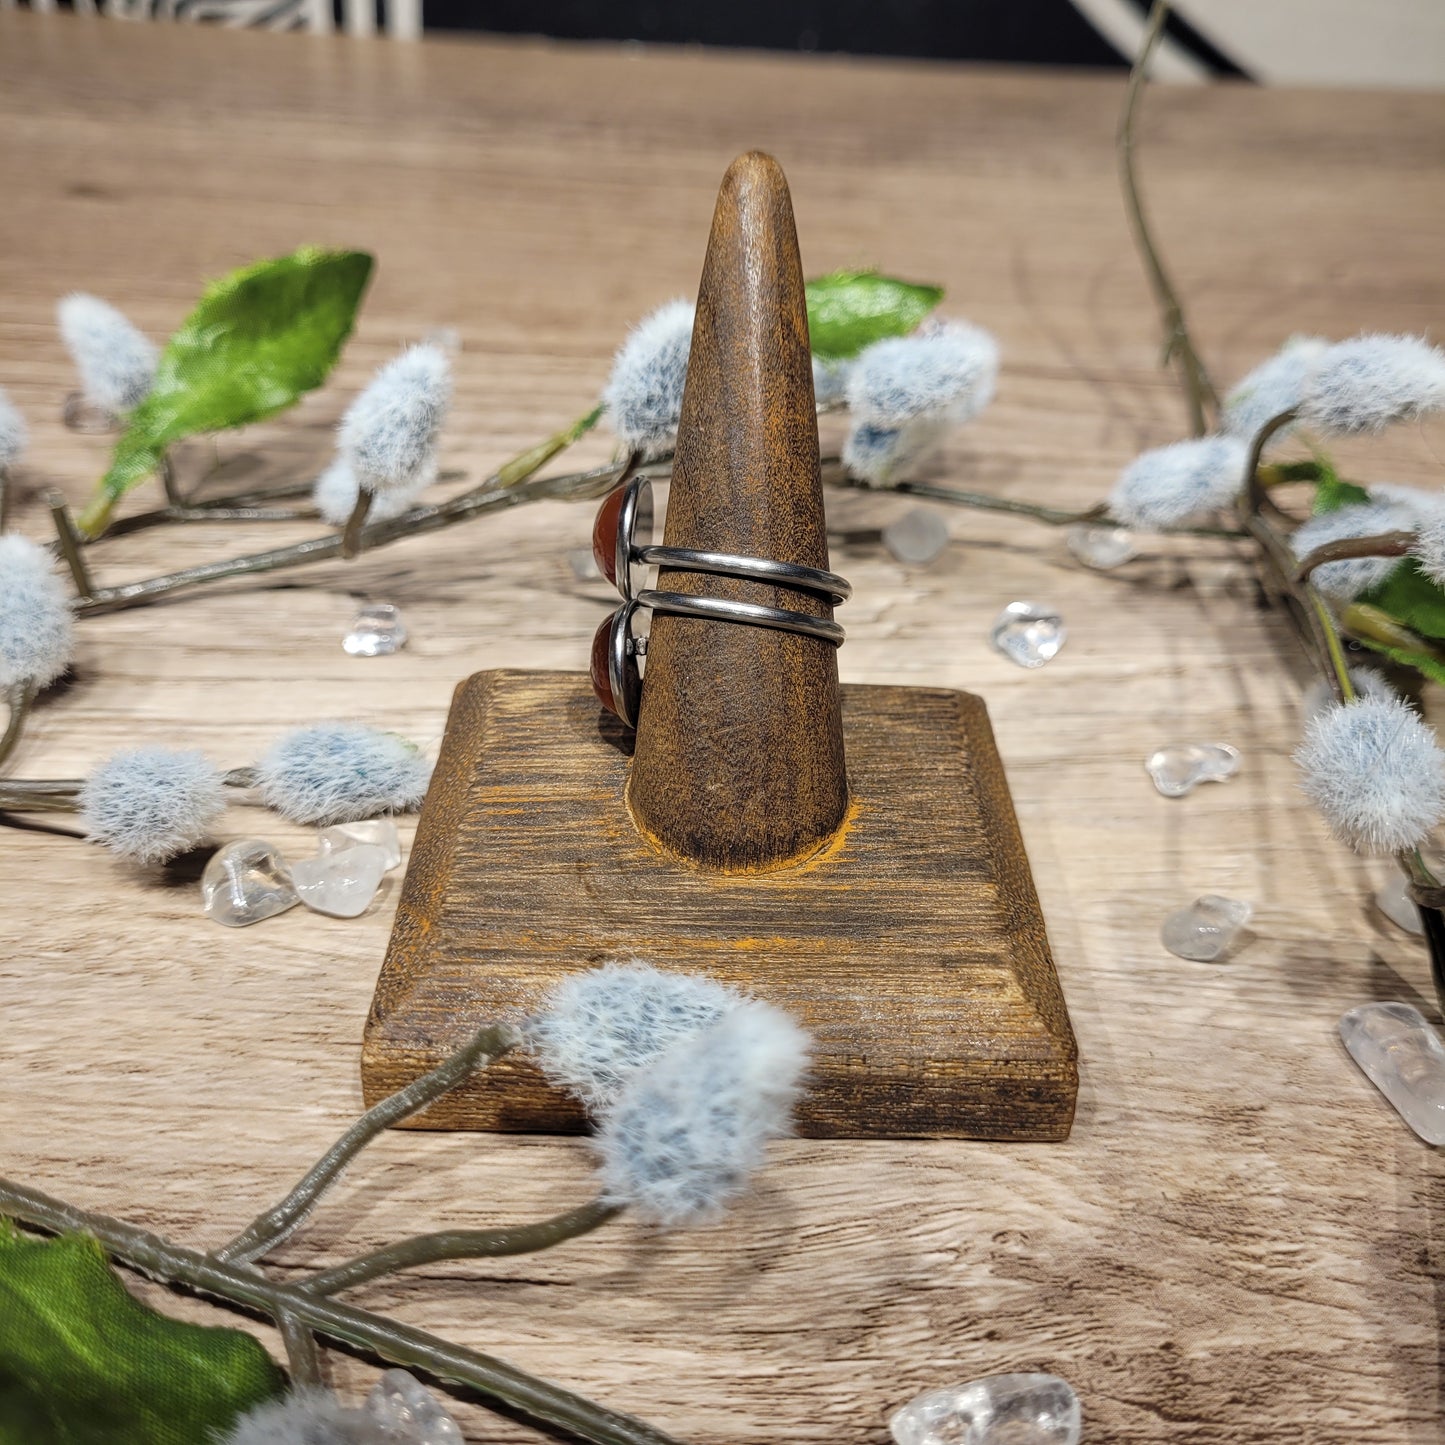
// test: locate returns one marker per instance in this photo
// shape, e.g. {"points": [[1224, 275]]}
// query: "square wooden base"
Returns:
{"points": [[912, 947]]}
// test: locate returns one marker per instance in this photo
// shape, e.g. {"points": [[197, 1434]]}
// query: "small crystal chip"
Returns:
{"points": [[584, 565], [996, 1410], [1203, 931], [1402, 1056], [376, 631], [1100, 546], [409, 1413], [246, 881], [341, 882], [1028, 633], [1179, 768], [81, 415], [917, 537], [379, 832], [1394, 901]]}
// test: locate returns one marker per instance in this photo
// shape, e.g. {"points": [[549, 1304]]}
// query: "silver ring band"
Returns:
{"points": [[752, 569], [722, 609]]}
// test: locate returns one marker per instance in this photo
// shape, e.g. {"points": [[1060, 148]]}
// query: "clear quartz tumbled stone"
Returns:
{"points": [[584, 565], [917, 537], [409, 1413], [379, 832], [1204, 930], [1100, 546], [1394, 901], [341, 882], [246, 881], [1179, 768], [1028, 633], [1402, 1056], [376, 631], [997, 1410]]}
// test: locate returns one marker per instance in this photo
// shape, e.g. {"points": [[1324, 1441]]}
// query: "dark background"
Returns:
{"points": [[1042, 32]]}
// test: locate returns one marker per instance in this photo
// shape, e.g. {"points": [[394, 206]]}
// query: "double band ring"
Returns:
{"points": [[623, 550], [623, 554]]}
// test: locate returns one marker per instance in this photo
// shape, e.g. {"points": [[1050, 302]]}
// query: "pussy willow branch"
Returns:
{"points": [[462, 1244], [358, 1331], [1383, 544], [1198, 389], [62, 795], [273, 1225], [493, 494]]}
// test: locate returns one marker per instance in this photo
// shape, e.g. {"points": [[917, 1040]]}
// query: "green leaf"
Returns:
{"points": [[259, 339], [1411, 598], [82, 1362], [1422, 662], [852, 309], [1332, 493]]}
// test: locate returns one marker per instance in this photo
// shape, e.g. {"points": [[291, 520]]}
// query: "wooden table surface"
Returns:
{"points": [[1240, 1242]]}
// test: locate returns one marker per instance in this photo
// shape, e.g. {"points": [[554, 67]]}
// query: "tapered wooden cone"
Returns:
{"points": [[739, 757]]}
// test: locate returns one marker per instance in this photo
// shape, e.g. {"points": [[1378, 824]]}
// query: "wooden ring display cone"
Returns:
{"points": [[850, 854]]}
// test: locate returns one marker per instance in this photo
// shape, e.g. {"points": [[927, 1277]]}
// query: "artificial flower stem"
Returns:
{"points": [[302, 1354], [269, 1228], [1198, 389], [18, 697], [1317, 626], [490, 496], [522, 466], [1384, 544], [1344, 683], [69, 541], [21, 795], [462, 1244], [1255, 496], [351, 542], [1370, 624], [357, 1330], [169, 485]]}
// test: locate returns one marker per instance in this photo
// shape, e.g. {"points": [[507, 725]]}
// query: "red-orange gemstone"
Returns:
{"points": [[600, 667], [604, 534]]}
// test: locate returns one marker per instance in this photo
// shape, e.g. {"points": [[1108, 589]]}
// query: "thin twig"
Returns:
{"points": [[18, 697], [1253, 491], [1198, 388], [1383, 544], [302, 1354], [351, 533], [23, 795], [358, 1331], [489, 496], [69, 542], [273, 1225], [462, 1244]]}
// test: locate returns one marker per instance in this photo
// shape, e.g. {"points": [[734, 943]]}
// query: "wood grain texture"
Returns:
{"points": [[1239, 1242], [911, 947], [739, 743]]}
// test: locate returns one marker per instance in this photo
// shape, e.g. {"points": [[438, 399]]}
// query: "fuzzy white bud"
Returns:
{"points": [[1370, 382], [1272, 388], [643, 394], [1171, 485], [116, 361], [1376, 773], [339, 772], [13, 432], [37, 627], [686, 1134], [389, 433], [149, 804], [598, 1028], [337, 489]]}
